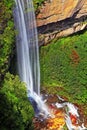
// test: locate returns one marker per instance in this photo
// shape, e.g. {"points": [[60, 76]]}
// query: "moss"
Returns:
{"points": [[64, 67]]}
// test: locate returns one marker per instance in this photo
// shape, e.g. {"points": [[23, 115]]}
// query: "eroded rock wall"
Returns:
{"points": [[59, 18]]}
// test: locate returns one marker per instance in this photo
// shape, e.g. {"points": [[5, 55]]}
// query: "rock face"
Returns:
{"points": [[59, 18]]}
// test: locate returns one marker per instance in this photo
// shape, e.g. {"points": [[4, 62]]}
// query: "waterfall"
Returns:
{"points": [[28, 53], [28, 60], [27, 45]]}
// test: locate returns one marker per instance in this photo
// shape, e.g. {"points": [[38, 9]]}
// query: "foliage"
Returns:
{"points": [[7, 34], [64, 67], [15, 110], [37, 3]]}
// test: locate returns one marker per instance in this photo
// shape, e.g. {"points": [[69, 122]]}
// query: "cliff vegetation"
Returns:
{"points": [[64, 68]]}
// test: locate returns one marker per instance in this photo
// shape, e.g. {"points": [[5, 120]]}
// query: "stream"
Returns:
{"points": [[64, 115]]}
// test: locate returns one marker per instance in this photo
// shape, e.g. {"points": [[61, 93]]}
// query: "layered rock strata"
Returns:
{"points": [[58, 18]]}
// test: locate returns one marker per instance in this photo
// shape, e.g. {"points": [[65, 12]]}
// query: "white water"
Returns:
{"points": [[27, 45], [74, 111], [28, 52]]}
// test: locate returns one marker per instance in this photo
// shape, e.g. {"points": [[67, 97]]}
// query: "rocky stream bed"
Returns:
{"points": [[60, 115]]}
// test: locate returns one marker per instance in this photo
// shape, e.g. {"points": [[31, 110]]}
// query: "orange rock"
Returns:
{"points": [[57, 10], [57, 122]]}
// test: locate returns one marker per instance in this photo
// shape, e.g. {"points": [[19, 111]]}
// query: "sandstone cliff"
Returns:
{"points": [[59, 18]]}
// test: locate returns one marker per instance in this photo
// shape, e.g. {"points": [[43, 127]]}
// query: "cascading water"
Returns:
{"points": [[28, 52], [27, 45]]}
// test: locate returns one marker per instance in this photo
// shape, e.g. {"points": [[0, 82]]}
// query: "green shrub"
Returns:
{"points": [[15, 110], [7, 34]]}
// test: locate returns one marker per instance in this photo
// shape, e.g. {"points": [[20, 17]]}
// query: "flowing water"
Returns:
{"points": [[27, 45], [28, 52]]}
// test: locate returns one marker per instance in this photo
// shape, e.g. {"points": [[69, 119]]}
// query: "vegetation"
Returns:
{"points": [[15, 110], [64, 67], [37, 3], [7, 34]]}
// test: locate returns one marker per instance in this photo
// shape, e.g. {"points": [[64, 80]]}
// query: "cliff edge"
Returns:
{"points": [[58, 18]]}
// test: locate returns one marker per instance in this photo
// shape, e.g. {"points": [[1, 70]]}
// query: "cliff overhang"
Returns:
{"points": [[59, 18]]}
